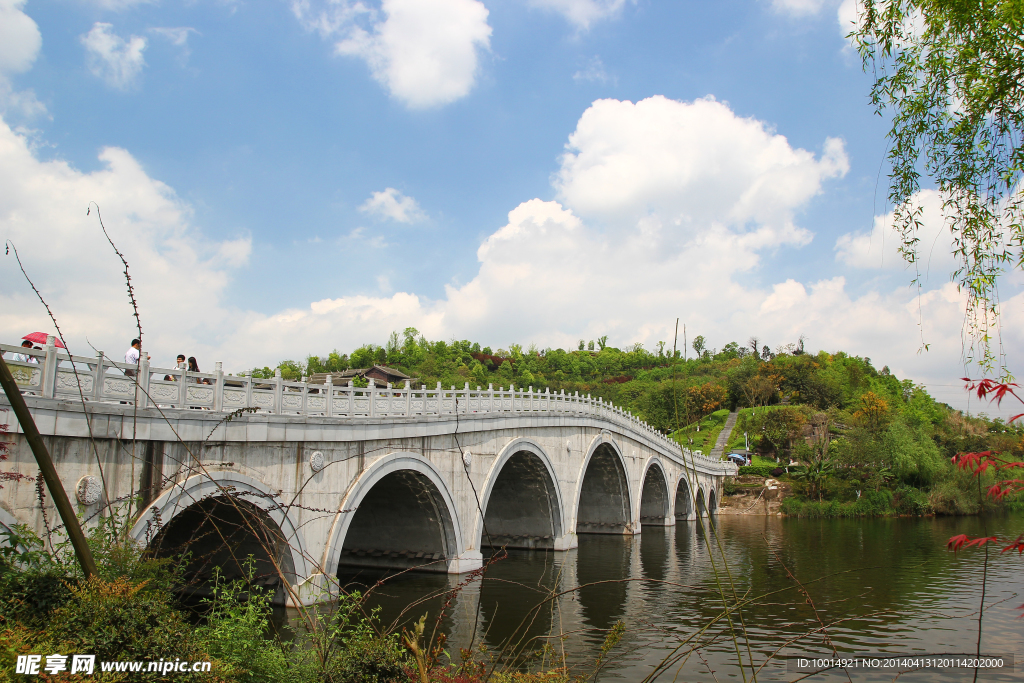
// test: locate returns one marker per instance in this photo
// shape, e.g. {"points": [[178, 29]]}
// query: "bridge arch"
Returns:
{"points": [[712, 503], [655, 504], [684, 500], [230, 508], [701, 502], [604, 499], [520, 475], [399, 500]]}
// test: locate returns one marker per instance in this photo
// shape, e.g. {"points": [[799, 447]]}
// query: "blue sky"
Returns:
{"points": [[289, 177]]}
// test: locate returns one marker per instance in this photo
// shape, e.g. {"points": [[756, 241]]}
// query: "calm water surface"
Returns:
{"points": [[878, 585]]}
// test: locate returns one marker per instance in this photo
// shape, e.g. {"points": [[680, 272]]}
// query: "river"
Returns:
{"points": [[879, 586]]}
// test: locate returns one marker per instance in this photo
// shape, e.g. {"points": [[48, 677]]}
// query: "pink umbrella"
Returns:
{"points": [[40, 338]]}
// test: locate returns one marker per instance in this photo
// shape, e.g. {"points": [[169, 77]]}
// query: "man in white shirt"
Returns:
{"points": [[131, 356]]}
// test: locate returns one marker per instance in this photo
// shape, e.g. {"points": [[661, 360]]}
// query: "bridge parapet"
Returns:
{"points": [[52, 373]]}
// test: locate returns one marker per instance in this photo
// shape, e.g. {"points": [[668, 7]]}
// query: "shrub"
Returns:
{"points": [[949, 498], [778, 472], [874, 503], [119, 620], [759, 470], [237, 629]]}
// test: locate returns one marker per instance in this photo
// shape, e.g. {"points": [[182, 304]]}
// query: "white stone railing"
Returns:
{"points": [[51, 373]]}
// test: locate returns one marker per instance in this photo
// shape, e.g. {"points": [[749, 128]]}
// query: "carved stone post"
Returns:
{"points": [[49, 367], [248, 388], [97, 384], [278, 392], [218, 387], [329, 389], [141, 394]]}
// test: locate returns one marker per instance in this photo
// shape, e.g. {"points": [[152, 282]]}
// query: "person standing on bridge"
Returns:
{"points": [[193, 366], [131, 356], [24, 357]]}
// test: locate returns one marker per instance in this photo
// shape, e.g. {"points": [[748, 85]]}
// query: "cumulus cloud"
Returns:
{"points": [[878, 248], [424, 52], [687, 165], [117, 61], [582, 13], [179, 274], [393, 205], [20, 41]]}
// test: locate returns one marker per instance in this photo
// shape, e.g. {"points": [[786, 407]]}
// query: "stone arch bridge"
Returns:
{"points": [[322, 479]]}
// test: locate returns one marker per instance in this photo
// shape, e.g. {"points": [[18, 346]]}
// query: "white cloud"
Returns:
{"points": [[424, 52], [20, 41], [177, 35], [879, 248], [119, 5], [179, 275], [393, 205], [594, 72], [582, 13], [798, 7], [688, 165], [112, 58]]}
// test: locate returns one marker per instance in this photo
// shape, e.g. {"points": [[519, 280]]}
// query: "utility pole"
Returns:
{"points": [[49, 472], [676, 340]]}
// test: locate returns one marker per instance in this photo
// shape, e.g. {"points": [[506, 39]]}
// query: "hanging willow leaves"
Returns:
{"points": [[951, 73]]}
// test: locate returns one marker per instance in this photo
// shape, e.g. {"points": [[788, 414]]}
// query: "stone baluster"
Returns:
{"points": [[218, 387], [142, 394], [465, 398], [50, 367], [183, 389], [328, 389], [248, 379], [408, 398], [97, 384], [278, 392], [440, 399]]}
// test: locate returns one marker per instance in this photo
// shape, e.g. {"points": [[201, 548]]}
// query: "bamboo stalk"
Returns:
{"points": [[57, 492]]}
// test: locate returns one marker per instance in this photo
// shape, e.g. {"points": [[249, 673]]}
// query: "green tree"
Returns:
{"points": [[952, 73], [699, 344]]}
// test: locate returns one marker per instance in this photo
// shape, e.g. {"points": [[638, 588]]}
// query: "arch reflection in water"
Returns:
{"points": [[522, 508], [604, 495], [402, 522], [654, 497], [221, 533]]}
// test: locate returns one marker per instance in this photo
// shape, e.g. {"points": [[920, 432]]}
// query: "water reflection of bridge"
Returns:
{"points": [[603, 580]]}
